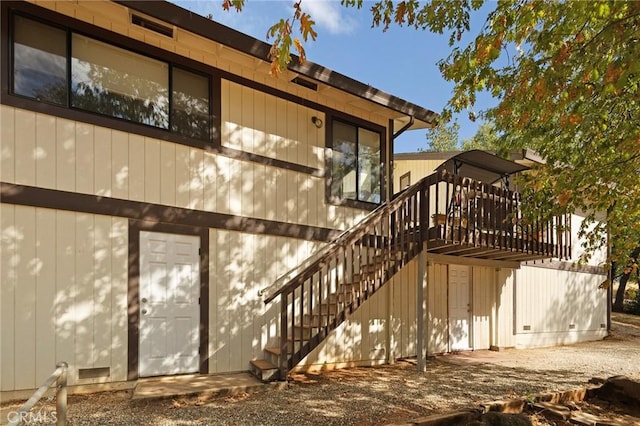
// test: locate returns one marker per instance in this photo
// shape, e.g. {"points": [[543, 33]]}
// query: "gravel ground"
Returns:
{"points": [[382, 395]]}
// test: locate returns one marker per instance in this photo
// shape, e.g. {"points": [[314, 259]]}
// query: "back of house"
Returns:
{"points": [[168, 207]]}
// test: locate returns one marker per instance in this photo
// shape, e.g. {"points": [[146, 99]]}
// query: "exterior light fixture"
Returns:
{"points": [[316, 121]]}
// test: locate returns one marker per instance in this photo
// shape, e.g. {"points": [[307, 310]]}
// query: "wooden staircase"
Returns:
{"points": [[487, 223], [333, 286]]}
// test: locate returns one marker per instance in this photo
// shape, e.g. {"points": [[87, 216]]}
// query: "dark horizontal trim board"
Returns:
{"points": [[84, 203], [119, 40]]}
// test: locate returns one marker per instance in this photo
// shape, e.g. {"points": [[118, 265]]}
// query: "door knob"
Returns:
{"points": [[144, 311], [144, 300]]}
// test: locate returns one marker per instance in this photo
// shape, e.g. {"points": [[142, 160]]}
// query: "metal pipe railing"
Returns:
{"points": [[59, 376]]}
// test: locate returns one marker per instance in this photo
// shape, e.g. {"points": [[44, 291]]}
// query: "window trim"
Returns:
{"points": [[358, 124], [70, 31], [404, 176], [216, 75], [70, 26]]}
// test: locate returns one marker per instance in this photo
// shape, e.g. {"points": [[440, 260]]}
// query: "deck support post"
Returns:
{"points": [[421, 311]]}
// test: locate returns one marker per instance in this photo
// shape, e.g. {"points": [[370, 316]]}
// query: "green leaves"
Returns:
{"points": [[567, 76]]}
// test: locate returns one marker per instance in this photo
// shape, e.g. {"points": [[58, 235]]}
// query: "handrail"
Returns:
{"points": [[352, 234], [59, 376], [287, 275], [470, 218]]}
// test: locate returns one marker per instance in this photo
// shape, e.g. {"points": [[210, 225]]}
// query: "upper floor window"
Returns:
{"points": [[39, 61], [112, 81], [356, 163], [108, 80]]}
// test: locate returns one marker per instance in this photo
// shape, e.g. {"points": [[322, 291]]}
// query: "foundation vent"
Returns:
{"points": [[94, 373], [526, 328], [572, 326]]}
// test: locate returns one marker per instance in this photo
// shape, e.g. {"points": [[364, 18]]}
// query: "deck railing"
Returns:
{"points": [[481, 220], [453, 214]]}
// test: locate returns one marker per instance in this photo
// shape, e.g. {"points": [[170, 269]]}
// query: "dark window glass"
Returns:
{"points": [[190, 107], [369, 166], [344, 161], [355, 164], [115, 82], [40, 61]]}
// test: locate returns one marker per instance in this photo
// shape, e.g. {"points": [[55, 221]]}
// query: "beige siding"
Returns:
{"points": [[417, 168], [94, 160], [360, 340], [438, 323], [558, 314], [505, 334], [242, 265], [64, 274], [483, 296], [10, 242], [63, 294]]}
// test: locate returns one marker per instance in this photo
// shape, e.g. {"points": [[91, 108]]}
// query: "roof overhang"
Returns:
{"points": [[481, 165], [175, 15]]}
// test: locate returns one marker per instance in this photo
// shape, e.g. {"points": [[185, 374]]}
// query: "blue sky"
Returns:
{"points": [[401, 61]]}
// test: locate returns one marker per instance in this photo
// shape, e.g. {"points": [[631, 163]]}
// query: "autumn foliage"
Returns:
{"points": [[567, 77]]}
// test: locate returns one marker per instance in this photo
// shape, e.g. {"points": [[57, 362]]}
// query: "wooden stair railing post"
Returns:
{"points": [[284, 336]]}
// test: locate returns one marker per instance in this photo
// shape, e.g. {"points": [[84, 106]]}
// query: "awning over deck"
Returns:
{"points": [[481, 166]]}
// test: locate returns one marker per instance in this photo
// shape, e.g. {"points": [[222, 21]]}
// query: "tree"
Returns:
{"points": [[630, 267], [567, 76], [485, 138], [568, 80], [443, 137]]}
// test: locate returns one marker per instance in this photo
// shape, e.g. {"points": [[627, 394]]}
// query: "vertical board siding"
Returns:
{"points": [[85, 158], [483, 281], [360, 340], [559, 309], [7, 144], [152, 171], [103, 171], [418, 169], [67, 274], [25, 266], [8, 279], [25, 147], [45, 260], [65, 155], [45, 152], [438, 317], [242, 265], [505, 311], [262, 124]]}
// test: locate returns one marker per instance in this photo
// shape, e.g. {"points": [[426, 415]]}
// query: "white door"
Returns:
{"points": [[459, 308], [169, 304]]}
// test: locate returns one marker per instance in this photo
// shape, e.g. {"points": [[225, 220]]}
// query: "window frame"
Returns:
{"points": [[71, 26], [406, 176], [358, 124]]}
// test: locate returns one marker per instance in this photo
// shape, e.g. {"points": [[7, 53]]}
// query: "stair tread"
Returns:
{"points": [[275, 350], [263, 364]]}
